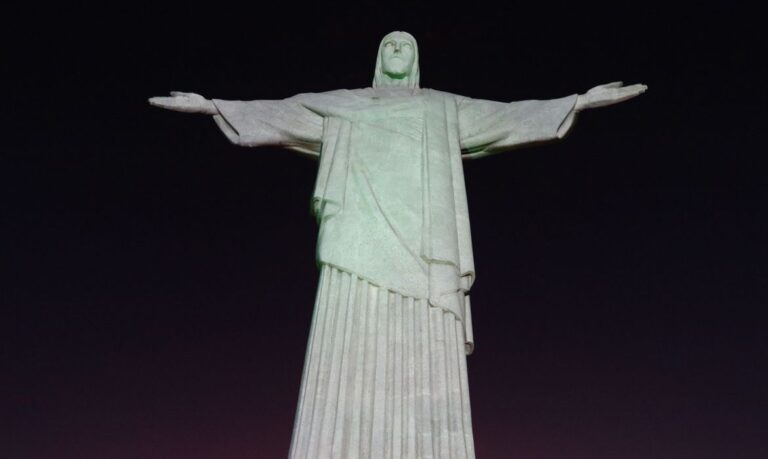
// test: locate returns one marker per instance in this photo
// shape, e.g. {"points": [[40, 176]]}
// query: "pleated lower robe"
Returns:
{"points": [[385, 376]]}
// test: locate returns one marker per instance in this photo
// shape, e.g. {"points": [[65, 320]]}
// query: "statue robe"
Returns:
{"points": [[390, 196]]}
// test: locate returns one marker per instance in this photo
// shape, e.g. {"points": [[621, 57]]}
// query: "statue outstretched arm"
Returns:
{"points": [[187, 102], [489, 127], [283, 123]]}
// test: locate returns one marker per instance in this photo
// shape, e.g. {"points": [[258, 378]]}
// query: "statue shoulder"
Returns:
{"points": [[336, 94], [442, 94]]}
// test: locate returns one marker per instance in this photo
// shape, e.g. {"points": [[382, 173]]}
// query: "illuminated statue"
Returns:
{"points": [[385, 373]]}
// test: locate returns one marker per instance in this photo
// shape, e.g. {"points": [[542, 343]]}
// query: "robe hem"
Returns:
{"points": [[465, 321]]}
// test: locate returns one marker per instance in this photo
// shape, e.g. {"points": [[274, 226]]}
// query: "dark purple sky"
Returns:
{"points": [[160, 281]]}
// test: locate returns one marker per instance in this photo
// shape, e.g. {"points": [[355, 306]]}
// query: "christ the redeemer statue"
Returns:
{"points": [[385, 374]]}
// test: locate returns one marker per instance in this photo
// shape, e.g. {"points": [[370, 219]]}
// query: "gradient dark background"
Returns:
{"points": [[160, 281]]}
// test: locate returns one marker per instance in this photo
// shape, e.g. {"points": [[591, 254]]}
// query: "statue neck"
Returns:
{"points": [[395, 82]]}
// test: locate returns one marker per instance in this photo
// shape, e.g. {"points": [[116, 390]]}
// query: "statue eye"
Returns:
{"points": [[389, 43], [408, 45]]}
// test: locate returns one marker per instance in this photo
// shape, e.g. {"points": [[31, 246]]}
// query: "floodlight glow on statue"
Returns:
{"points": [[385, 373]]}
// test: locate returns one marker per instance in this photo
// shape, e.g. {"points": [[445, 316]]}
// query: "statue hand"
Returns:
{"points": [[608, 94], [187, 102]]}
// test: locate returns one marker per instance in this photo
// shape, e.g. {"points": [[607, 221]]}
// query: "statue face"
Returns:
{"points": [[397, 56]]}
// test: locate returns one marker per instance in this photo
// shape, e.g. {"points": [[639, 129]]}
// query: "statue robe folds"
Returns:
{"points": [[390, 196]]}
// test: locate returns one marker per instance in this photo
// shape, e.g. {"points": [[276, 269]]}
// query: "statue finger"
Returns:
{"points": [[160, 101], [633, 90], [606, 86], [170, 103], [187, 95]]}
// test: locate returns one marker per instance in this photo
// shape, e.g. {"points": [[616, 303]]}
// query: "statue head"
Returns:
{"points": [[397, 63]]}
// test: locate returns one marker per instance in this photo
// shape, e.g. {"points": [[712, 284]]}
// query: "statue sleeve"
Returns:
{"points": [[284, 123], [487, 127]]}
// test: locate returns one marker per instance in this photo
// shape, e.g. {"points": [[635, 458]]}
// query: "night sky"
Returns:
{"points": [[159, 281]]}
